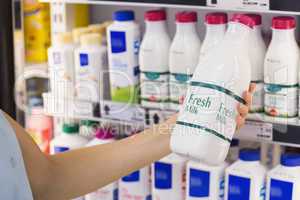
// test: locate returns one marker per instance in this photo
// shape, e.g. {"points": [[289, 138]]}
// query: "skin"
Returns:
{"points": [[75, 173]]}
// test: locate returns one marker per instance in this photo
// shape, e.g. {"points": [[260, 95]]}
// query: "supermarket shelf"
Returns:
{"points": [[286, 7]]}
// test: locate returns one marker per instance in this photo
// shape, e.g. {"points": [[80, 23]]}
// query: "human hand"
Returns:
{"points": [[244, 109]]}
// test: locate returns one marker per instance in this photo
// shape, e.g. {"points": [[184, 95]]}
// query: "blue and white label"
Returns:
{"points": [[118, 41], [199, 182], [57, 59], [281, 190], [222, 188], [84, 59], [162, 175], [238, 188], [58, 149], [133, 177]]}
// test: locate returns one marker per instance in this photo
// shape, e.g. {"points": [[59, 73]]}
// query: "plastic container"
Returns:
{"points": [[77, 33], [205, 182], [245, 179], [168, 178], [207, 120], [216, 24], [123, 41], [155, 72], [281, 70], [283, 181], [184, 56]]}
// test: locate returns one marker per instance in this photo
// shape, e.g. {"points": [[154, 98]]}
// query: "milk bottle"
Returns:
{"points": [[184, 56], [154, 63], [206, 123]]}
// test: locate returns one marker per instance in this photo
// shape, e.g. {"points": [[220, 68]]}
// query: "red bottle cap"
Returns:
{"points": [[256, 18], [243, 19], [155, 15], [216, 18], [283, 22], [186, 17]]}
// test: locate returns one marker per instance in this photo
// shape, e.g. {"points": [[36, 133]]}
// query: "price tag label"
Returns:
{"points": [[257, 131]]}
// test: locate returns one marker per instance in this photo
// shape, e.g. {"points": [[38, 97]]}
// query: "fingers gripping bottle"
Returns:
{"points": [[207, 120]]}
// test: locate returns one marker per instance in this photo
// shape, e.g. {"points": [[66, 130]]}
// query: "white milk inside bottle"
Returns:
{"points": [[205, 182], [245, 179], [215, 31], [257, 51], [154, 63], [206, 123], [168, 178], [283, 182], [281, 70], [184, 56], [123, 41], [109, 192], [136, 185], [61, 66]]}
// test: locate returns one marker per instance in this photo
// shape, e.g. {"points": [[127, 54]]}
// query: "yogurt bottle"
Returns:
{"points": [[205, 182], [257, 51], [154, 63], [61, 66], [206, 123], [245, 179], [136, 185], [184, 56], [168, 178], [109, 192], [283, 182], [215, 30], [123, 41], [281, 70]]}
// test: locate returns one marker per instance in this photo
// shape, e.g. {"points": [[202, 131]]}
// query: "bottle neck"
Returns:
{"points": [[186, 28], [283, 35], [215, 31], [156, 27], [238, 34]]}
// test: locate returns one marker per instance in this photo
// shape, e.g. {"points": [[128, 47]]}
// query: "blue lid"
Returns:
{"points": [[234, 143], [124, 15], [290, 160], [249, 155]]}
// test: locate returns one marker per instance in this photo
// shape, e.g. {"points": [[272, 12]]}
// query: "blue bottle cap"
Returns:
{"points": [[124, 15], [249, 155], [290, 160]]}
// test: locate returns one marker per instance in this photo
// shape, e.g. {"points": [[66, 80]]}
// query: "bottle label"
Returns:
{"points": [[281, 190], [210, 109], [133, 177], [162, 176], [58, 149], [258, 97], [199, 182], [281, 100], [262, 193], [154, 88], [178, 88], [222, 188], [239, 188]]}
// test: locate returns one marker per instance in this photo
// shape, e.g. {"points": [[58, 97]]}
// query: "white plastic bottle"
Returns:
{"points": [[205, 182], [154, 63], [168, 178], [245, 179], [77, 33], [206, 123], [215, 30], [89, 67], [61, 66], [257, 51], [184, 56], [281, 70], [109, 192], [283, 182], [136, 185], [123, 41]]}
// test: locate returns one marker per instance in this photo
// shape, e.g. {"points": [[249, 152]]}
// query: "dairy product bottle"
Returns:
{"points": [[123, 41], [215, 30], [168, 178], [206, 123], [154, 63], [77, 33], [257, 51], [109, 192], [61, 66], [89, 67], [136, 185], [205, 182], [281, 70], [245, 179], [283, 182], [184, 56]]}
